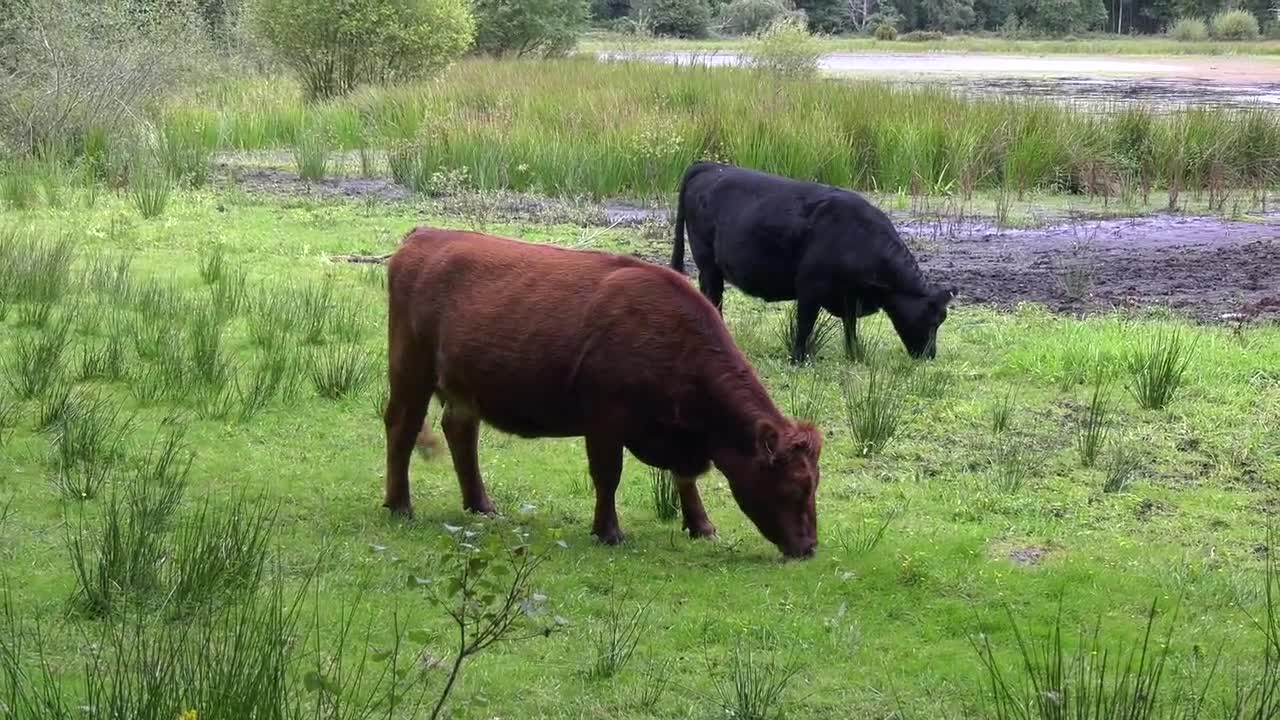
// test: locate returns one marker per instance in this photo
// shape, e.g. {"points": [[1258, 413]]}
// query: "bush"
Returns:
{"points": [[748, 17], [1189, 30], [886, 32], [786, 48], [526, 27], [334, 49], [72, 68], [1235, 25], [924, 36], [676, 18]]}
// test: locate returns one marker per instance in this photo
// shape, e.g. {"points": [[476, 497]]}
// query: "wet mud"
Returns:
{"points": [[1201, 267]]}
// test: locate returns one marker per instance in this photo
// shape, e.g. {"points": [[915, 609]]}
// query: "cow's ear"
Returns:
{"points": [[768, 439]]}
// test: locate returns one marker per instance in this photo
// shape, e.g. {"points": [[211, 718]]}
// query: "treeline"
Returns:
{"points": [[1054, 18]]}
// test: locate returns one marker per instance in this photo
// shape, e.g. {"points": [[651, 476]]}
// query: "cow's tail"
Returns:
{"points": [[677, 249]]}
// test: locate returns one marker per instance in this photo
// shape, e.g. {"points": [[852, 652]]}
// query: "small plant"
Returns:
{"points": [[106, 360], [149, 189], [8, 419], [274, 376], [38, 360], [860, 539], [928, 380], [886, 33], [1234, 25], [339, 371], [1122, 469], [160, 479], [756, 686], [665, 494], [346, 321], [1158, 365], [489, 595], [273, 313], [615, 640], [1011, 465], [873, 409], [805, 390], [311, 154], [824, 330], [228, 294], [209, 366], [657, 680], [1092, 429], [1189, 30], [1000, 414]]}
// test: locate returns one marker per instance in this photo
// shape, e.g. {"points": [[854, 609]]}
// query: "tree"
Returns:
{"points": [[677, 18], [827, 16], [861, 12], [524, 27], [948, 15], [610, 9], [336, 46]]}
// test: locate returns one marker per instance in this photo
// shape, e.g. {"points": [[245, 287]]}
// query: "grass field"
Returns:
{"points": [[1149, 45], [219, 333]]}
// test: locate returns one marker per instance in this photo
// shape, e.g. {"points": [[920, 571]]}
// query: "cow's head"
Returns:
{"points": [[776, 484], [917, 317]]}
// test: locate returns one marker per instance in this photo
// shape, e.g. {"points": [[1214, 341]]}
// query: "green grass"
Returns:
{"points": [[913, 537]]}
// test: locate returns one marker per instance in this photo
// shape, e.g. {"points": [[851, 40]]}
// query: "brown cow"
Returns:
{"points": [[540, 341]]}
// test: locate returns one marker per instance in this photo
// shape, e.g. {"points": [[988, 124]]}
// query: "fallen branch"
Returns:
{"points": [[362, 259]]}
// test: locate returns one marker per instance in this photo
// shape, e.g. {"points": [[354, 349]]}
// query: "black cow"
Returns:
{"points": [[826, 248]]}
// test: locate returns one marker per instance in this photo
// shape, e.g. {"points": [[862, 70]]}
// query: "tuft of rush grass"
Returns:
{"points": [[213, 264], [1122, 468], [756, 684], [219, 554], [615, 638], [1000, 414], [315, 308], [274, 376], [37, 273], [87, 448], [9, 410], [340, 371], [1096, 681], [858, 539], [874, 409], [1010, 466], [228, 293], [311, 154], [806, 388], [20, 187], [664, 494], [184, 147], [108, 359], [38, 360], [272, 314], [149, 189], [1157, 367], [1092, 428], [824, 331], [110, 276], [209, 365], [117, 561], [928, 379]]}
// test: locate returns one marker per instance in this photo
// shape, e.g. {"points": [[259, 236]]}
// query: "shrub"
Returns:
{"points": [[676, 18], [1189, 30], [1235, 25], [924, 36], [748, 17], [787, 49], [334, 49], [886, 32], [528, 27]]}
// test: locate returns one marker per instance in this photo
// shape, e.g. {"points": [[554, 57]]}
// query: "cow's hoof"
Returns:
{"points": [[485, 508], [702, 530], [400, 509], [609, 537]]}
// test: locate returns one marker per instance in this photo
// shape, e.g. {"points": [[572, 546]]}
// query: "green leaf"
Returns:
{"points": [[421, 637], [312, 681]]}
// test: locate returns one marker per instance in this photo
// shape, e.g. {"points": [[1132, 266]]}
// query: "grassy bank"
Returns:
{"points": [[577, 127], [1089, 45], [1022, 472]]}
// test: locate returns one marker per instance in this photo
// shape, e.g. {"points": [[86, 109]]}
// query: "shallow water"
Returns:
{"points": [[1092, 83]]}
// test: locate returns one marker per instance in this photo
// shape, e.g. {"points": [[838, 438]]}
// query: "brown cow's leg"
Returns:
{"points": [[462, 431], [405, 418], [604, 459], [695, 516]]}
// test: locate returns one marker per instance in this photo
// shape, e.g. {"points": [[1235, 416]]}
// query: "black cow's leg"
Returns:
{"points": [[710, 277], [462, 430], [604, 460], [806, 318], [695, 516], [850, 322]]}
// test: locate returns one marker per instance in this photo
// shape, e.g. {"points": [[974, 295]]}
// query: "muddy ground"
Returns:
{"points": [[1203, 267]]}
